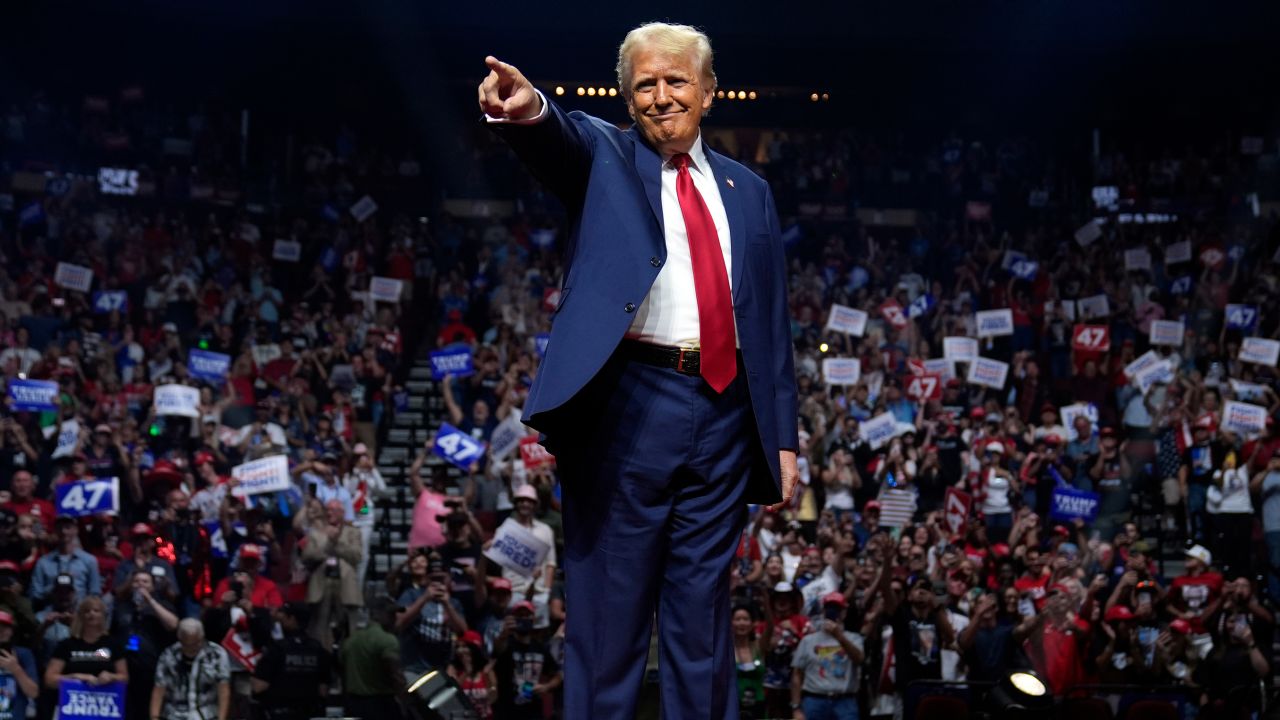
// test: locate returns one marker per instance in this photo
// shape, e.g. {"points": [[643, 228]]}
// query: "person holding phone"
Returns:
{"points": [[826, 667]]}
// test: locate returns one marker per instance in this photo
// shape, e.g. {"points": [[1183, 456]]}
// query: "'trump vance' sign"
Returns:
{"points": [[80, 700], [1069, 504], [270, 474], [33, 394]]}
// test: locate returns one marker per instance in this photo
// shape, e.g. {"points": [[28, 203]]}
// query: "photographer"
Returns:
{"points": [[431, 617], [144, 625], [826, 666], [143, 537], [525, 668], [248, 581], [462, 557], [365, 485], [319, 477]]}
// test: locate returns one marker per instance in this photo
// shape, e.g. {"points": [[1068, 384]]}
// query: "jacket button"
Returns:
{"points": [[629, 307], [654, 261]]}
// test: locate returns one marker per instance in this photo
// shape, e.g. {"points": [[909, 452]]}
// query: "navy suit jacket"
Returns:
{"points": [[610, 181]]}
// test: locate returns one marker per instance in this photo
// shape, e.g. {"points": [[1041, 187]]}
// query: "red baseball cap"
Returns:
{"points": [[6, 618], [141, 529], [472, 638], [1180, 626], [250, 551], [523, 605], [1118, 613], [835, 598], [499, 584], [9, 566], [871, 505]]}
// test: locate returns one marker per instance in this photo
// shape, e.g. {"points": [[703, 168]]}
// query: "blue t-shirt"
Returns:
{"points": [[13, 704]]}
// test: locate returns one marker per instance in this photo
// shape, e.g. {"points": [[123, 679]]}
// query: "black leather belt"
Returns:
{"points": [[826, 696], [685, 362]]}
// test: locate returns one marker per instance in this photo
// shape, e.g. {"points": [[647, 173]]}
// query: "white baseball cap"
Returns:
{"points": [[1200, 553]]}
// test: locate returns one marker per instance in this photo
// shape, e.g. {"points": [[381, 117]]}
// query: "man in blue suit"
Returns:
{"points": [[667, 392]]}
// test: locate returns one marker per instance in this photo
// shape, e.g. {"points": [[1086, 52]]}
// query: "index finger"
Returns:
{"points": [[496, 65]]}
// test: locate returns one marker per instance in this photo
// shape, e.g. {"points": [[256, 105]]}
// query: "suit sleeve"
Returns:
{"points": [[557, 150], [784, 381]]}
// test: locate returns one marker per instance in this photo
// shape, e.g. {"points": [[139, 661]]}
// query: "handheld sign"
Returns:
{"points": [[452, 361], [955, 509], [73, 277], [1241, 317], [68, 436], [208, 366], [924, 387], [78, 700], [1068, 308], [1137, 259], [987, 372], [1142, 362], [1166, 332], [941, 367], [264, 354], [1025, 269], [177, 400], [1160, 372], [1247, 390], [385, 289], [1260, 351], [1096, 306], [506, 437], [961, 349], [266, 475], [87, 497], [540, 342], [1069, 413], [517, 549], [1178, 252], [106, 301], [1243, 418], [993, 323], [364, 208], [878, 430], [1091, 338], [286, 251], [847, 320], [457, 447], [1088, 233], [533, 454], [920, 306], [841, 371], [892, 312], [1069, 504], [33, 394], [1180, 286]]}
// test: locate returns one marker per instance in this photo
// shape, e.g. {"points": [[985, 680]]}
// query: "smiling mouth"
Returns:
{"points": [[664, 116]]}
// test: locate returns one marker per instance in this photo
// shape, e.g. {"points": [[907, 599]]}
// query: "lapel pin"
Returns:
{"points": [[730, 181]]}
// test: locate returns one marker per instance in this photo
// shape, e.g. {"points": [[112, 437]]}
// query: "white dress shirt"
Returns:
{"points": [[669, 314]]}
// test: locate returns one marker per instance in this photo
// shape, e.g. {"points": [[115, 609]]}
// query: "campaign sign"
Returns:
{"points": [[177, 400], [33, 394], [364, 208], [1096, 306], [892, 312], [1068, 308], [1247, 390], [208, 366], [1091, 338], [878, 430], [1243, 418], [955, 509], [507, 435], [847, 320], [1137, 259], [106, 301], [1181, 286], [1160, 372], [920, 306], [941, 367], [80, 700], [73, 277], [540, 343], [385, 289], [517, 549], [264, 354], [1069, 414], [1069, 504], [1241, 317], [269, 474], [286, 251], [452, 361], [1011, 258], [1142, 362], [1088, 233], [457, 447], [533, 454], [1166, 332], [1178, 252], [1025, 269], [987, 372], [992, 323], [924, 387], [87, 497], [841, 371], [68, 436], [962, 349], [1260, 351]]}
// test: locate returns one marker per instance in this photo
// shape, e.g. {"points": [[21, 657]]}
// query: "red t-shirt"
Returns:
{"points": [[265, 593], [1196, 593], [41, 510], [1062, 663]]}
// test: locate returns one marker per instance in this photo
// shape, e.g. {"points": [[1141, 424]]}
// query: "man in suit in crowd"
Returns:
{"points": [[667, 393]]}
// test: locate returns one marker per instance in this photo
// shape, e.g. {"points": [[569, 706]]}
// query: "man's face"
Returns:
{"points": [[334, 512], [667, 98], [525, 507], [23, 484]]}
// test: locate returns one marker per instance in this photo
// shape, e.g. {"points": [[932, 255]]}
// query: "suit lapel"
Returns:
{"points": [[649, 168], [733, 211]]}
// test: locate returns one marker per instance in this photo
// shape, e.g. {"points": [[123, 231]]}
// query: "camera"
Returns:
{"points": [[831, 612], [237, 587]]}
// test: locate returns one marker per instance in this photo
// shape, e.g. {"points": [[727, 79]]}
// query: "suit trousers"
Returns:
{"points": [[653, 481]]}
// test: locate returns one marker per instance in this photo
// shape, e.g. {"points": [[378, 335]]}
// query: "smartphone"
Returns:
{"points": [[831, 612]]}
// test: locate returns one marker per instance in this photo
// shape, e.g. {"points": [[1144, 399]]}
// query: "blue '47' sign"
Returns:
{"points": [[457, 447], [105, 301], [88, 497]]}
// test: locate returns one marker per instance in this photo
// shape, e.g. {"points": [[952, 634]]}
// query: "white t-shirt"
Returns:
{"points": [[996, 499], [1235, 491]]}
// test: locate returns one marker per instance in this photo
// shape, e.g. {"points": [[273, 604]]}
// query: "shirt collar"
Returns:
{"points": [[697, 156]]}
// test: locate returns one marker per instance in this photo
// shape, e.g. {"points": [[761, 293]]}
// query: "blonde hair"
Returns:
{"points": [[77, 620], [666, 38]]}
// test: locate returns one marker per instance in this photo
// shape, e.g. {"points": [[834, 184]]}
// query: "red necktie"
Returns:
{"points": [[718, 360]]}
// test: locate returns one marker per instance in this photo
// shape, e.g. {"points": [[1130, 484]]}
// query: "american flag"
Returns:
{"points": [[897, 506]]}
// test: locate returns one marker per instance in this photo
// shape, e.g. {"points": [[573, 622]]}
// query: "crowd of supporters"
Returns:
{"points": [[936, 551]]}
